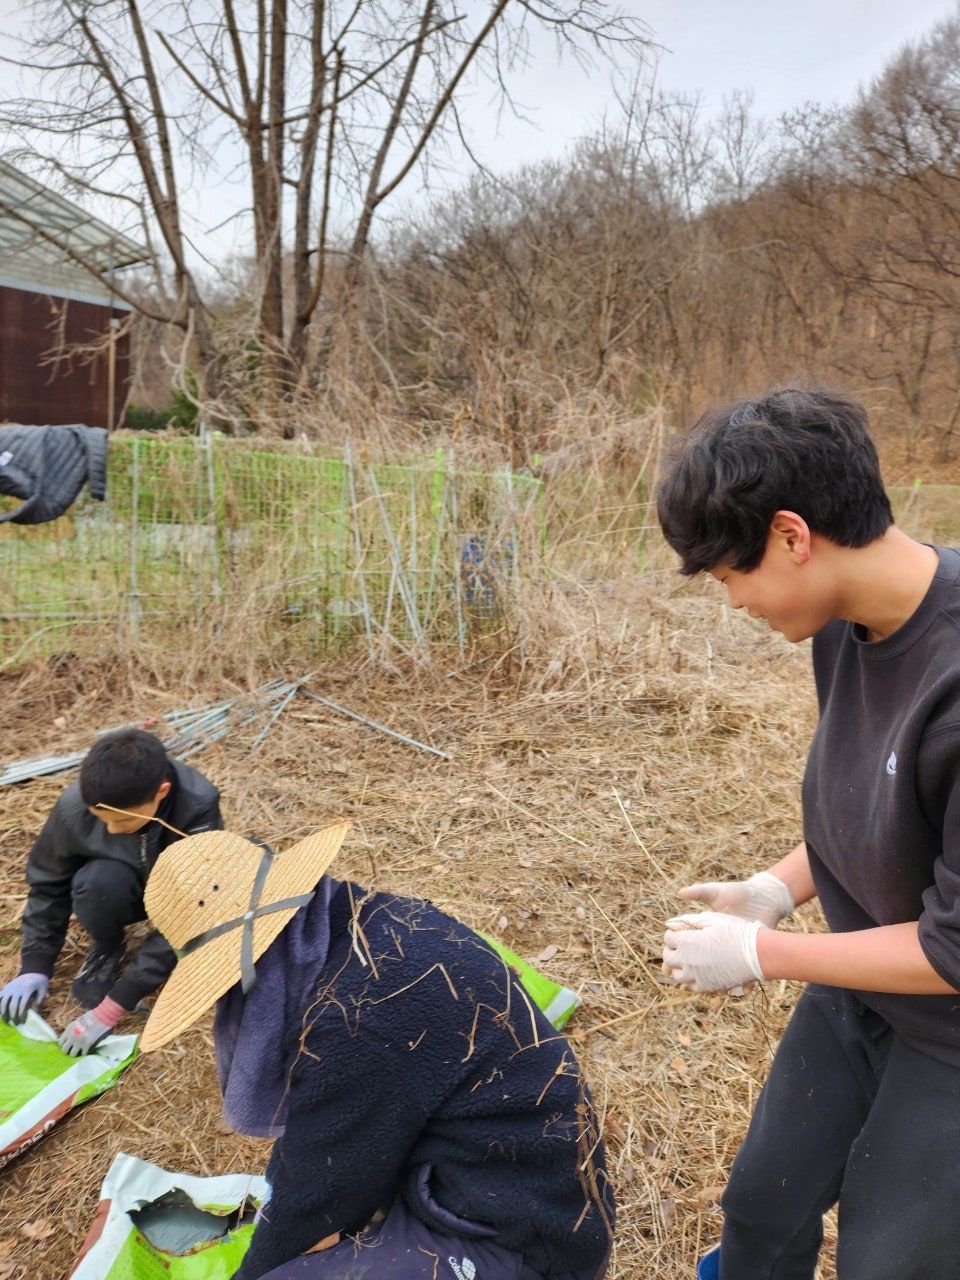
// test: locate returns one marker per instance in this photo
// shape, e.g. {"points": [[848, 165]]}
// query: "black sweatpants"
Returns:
{"points": [[107, 896], [849, 1113]]}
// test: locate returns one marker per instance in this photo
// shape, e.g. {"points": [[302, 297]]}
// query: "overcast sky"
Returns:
{"points": [[784, 53]]}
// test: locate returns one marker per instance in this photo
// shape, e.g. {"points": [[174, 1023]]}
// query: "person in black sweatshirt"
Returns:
{"points": [[91, 860], [430, 1124], [781, 500]]}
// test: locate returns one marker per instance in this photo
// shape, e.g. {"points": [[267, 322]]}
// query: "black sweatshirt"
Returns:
{"points": [[72, 836], [881, 795], [422, 1050]]}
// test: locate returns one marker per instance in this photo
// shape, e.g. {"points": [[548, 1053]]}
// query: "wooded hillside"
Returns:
{"points": [[677, 261], [664, 262]]}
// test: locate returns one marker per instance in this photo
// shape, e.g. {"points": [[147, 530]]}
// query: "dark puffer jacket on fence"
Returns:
{"points": [[47, 466]]}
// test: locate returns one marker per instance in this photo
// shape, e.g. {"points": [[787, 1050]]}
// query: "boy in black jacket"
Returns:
{"points": [[92, 859]]}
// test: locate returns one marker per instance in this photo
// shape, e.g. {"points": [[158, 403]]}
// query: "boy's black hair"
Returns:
{"points": [[804, 451], [125, 768]]}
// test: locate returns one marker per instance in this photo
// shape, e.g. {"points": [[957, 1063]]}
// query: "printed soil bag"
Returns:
{"points": [[39, 1084], [555, 1001], [152, 1224]]}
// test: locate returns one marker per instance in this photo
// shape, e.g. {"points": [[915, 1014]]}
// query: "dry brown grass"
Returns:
{"points": [[644, 737]]}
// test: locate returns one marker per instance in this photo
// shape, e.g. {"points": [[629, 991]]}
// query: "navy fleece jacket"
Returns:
{"points": [[422, 1050]]}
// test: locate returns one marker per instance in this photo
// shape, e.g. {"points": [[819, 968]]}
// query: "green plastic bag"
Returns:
{"points": [[556, 1002], [39, 1084], [152, 1224]]}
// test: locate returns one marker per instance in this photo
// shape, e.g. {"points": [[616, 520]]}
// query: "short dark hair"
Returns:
{"points": [[804, 451], [125, 768]]}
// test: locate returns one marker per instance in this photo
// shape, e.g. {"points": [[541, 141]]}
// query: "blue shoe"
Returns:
{"points": [[708, 1267]]}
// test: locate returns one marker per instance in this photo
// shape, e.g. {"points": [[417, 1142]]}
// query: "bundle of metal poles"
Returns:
{"points": [[194, 728]]}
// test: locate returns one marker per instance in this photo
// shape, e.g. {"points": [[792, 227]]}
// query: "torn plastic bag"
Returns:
{"points": [[152, 1224], [39, 1084]]}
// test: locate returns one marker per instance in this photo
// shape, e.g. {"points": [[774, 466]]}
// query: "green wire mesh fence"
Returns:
{"points": [[285, 548]]}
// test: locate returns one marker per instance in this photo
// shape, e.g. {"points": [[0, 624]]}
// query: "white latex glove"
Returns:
{"points": [[763, 897], [712, 951]]}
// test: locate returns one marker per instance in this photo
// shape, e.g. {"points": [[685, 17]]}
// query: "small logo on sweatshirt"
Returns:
{"points": [[465, 1269], [892, 764]]}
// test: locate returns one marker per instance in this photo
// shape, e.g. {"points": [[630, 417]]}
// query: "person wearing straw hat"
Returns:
{"points": [[780, 498], [92, 859], [429, 1123]]}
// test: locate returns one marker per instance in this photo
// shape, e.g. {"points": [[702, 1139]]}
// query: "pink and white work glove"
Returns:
{"points": [[90, 1028], [712, 951], [763, 897]]}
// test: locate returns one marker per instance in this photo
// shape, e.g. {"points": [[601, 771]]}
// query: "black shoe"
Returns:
{"points": [[96, 974]]}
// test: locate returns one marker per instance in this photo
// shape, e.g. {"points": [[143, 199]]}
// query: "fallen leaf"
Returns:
{"points": [[546, 954], [710, 1195], [684, 1039], [679, 1065], [60, 722], [614, 1128], [42, 1229], [580, 913], [668, 1210], [326, 1243]]}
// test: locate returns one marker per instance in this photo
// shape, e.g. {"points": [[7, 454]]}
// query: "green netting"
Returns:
{"points": [[929, 512], [305, 552], [313, 552]]}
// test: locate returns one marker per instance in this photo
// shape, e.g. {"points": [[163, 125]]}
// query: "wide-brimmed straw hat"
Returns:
{"points": [[220, 900]]}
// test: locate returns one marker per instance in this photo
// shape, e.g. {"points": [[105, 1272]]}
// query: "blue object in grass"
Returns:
{"points": [[709, 1266], [483, 569]]}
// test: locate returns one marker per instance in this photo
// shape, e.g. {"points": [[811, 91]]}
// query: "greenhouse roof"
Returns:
{"points": [[39, 228]]}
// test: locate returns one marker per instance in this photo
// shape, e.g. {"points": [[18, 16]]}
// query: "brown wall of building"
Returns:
{"points": [[43, 380]]}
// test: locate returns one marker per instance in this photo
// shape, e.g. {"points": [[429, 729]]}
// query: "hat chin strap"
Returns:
{"points": [[248, 974]]}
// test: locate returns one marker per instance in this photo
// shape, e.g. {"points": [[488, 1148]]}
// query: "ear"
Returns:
{"points": [[163, 790], [792, 533]]}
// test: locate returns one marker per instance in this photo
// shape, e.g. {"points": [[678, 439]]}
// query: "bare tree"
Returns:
{"points": [[903, 149], [326, 107]]}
